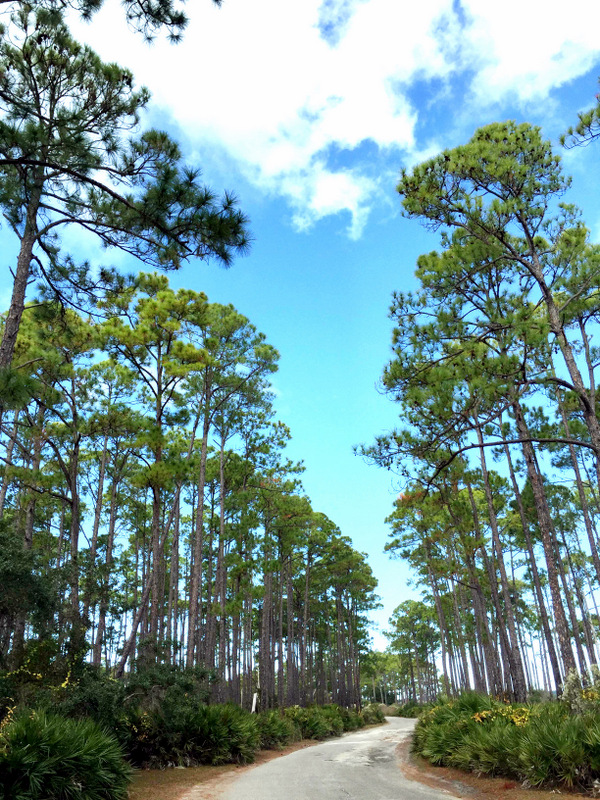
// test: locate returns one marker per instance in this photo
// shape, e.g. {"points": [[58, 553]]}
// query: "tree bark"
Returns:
{"points": [[545, 524]]}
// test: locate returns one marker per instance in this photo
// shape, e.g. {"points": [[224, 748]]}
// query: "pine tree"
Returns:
{"points": [[63, 104]]}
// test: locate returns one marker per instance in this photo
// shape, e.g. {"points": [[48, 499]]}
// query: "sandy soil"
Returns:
{"points": [[197, 783]]}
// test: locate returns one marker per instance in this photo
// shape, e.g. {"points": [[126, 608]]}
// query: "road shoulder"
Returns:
{"points": [[214, 787]]}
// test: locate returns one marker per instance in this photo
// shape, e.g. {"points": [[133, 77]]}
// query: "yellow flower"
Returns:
{"points": [[8, 718], [590, 694]]}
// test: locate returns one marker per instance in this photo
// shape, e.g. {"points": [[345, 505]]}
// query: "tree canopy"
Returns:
{"points": [[69, 161]]}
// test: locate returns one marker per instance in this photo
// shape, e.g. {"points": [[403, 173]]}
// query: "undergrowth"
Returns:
{"points": [[541, 745], [77, 739], [47, 757]]}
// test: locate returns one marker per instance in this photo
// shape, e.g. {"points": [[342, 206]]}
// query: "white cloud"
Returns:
{"points": [[260, 80], [282, 86], [322, 192], [527, 49]]}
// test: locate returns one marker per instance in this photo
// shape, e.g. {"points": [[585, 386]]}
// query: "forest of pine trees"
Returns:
{"points": [[149, 514], [494, 369], [146, 483], [148, 511]]}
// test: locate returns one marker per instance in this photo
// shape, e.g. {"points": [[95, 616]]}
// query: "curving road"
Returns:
{"points": [[358, 766]]}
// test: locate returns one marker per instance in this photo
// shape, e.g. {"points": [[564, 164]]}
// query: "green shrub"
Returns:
{"points": [[153, 739], [198, 734], [168, 687], [450, 725], [150, 714], [95, 694], [372, 714], [335, 719], [542, 745], [591, 740], [351, 719], [492, 749], [442, 740], [276, 730], [411, 710], [553, 749], [312, 721], [47, 757], [472, 703], [204, 737], [242, 732]]}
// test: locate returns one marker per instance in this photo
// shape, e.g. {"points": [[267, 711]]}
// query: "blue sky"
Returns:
{"points": [[308, 110]]}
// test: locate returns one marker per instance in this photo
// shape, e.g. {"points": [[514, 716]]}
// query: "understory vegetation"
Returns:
{"points": [[551, 744], [79, 740], [411, 709]]}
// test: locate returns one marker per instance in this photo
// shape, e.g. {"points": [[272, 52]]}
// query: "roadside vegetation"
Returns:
{"points": [[410, 710], [80, 740], [553, 744], [45, 756]]}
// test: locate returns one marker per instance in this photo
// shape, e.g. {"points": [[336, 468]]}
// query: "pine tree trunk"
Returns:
{"points": [[105, 588], [491, 658], [264, 653], [581, 492], [174, 587], [8, 462], [441, 622], [513, 653], [305, 630], [21, 279], [534, 574], [222, 573], [465, 681], [77, 639], [571, 609], [587, 398], [129, 646], [280, 651], [545, 525], [291, 693], [196, 576], [18, 637], [87, 599], [579, 577]]}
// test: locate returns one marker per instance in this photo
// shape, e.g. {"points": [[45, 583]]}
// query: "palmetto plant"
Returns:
{"points": [[541, 745], [276, 730], [46, 757]]}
